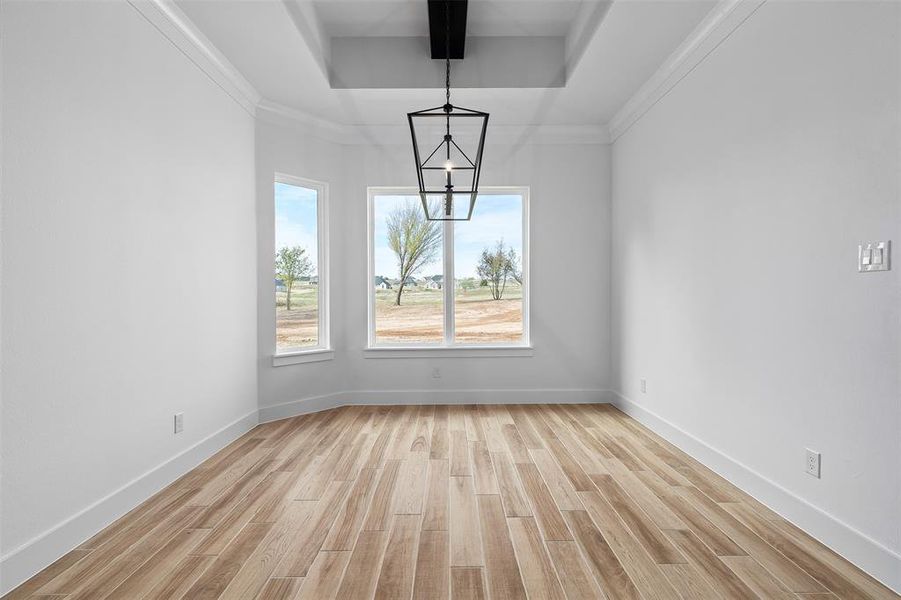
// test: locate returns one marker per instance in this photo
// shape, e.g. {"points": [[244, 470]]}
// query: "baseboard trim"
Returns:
{"points": [[23, 562], [868, 554], [404, 397]]}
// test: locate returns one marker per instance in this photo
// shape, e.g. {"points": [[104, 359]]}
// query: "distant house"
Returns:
{"points": [[382, 283], [314, 280], [435, 282], [280, 286]]}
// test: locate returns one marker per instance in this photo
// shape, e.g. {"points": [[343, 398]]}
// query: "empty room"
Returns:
{"points": [[450, 299]]}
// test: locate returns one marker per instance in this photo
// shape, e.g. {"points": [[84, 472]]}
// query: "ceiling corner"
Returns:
{"points": [[175, 26], [725, 17]]}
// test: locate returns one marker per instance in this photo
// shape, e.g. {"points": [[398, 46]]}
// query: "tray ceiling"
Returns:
{"points": [[553, 62]]}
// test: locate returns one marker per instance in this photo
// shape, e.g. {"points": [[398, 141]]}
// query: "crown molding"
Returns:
{"points": [[175, 26], [551, 134], [304, 122], [395, 134], [713, 30], [508, 135]]}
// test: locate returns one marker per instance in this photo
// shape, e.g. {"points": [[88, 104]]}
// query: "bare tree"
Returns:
{"points": [[415, 241], [517, 273], [290, 265], [496, 267]]}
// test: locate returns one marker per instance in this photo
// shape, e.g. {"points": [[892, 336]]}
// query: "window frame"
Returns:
{"points": [[323, 349], [447, 347]]}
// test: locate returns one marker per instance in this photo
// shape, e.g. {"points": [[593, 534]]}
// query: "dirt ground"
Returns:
{"points": [[296, 328], [419, 318], [486, 321], [476, 322]]}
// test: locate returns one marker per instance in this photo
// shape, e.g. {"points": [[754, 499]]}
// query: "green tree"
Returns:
{"points": [[496, 266], [467, 284], [291, 263], [415, 241]]}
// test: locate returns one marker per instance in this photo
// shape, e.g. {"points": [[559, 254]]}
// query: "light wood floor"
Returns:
{"points": [[575, 501]]}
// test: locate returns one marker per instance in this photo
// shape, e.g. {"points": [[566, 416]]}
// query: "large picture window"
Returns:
{"points": [[300, 284], [448, 284]]}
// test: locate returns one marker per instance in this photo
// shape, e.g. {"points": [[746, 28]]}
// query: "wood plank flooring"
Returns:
{"points": [[441, 502]]}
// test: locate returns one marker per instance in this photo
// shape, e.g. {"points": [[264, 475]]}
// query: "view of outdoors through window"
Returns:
{"points": [[408, 263], [488, 272], [409, 267], [296, 259]]}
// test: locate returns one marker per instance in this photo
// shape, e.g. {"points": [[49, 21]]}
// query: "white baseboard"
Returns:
{"points": [[23, 562], [404, 397], [871, 556]]}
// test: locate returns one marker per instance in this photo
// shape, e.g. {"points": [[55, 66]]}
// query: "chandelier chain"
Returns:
{"points": [[462, 168]]}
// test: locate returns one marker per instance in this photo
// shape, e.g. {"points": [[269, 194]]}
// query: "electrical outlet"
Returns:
{"points": [[179, 422], [644, 385], [436, 373], [813, 463]]}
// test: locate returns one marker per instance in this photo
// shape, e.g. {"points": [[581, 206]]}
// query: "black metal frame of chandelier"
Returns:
{"points": [[473, 192]]}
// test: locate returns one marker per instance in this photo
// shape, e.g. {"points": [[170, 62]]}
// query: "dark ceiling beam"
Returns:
{"points": [[438, 10]]}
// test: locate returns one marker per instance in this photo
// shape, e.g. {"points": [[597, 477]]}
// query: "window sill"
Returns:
{"points": [[302, 356], [448, 352]]}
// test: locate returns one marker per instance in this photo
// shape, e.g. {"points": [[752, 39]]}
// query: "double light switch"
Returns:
{"points": [[874, 256]]}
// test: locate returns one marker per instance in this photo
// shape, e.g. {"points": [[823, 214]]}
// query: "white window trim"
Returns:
{"points": [[458, 351], [302, 356], [447, 348], [323, 350]]}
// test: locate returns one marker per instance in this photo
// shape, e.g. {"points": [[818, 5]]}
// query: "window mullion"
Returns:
{"points": [[322, 261], [370, 267], [448, 284]]}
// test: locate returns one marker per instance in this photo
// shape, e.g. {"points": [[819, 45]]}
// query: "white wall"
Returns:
{"points": [[738, 204], [570, 215], [283, 149], [130, 258], [128, 266]]}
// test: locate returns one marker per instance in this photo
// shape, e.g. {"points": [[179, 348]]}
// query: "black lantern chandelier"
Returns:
{"points": [[449, 173]]}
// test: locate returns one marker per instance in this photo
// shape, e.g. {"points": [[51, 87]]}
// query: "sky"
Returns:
{"points": [[495, 217], [295, 219]]}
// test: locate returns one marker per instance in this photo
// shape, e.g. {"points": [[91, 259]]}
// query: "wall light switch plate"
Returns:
{"points": [[179, 422], [874, 256]]}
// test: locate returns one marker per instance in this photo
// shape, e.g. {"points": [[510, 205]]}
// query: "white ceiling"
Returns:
{"points": [[365, 18], [282, 47]]}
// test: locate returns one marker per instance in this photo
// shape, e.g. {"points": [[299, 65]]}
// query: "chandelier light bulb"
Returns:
{"points": [[448, 166]]}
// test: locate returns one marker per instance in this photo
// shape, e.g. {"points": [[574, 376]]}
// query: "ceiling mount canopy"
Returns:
{"points": [[453, 159], [450, 17]]}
